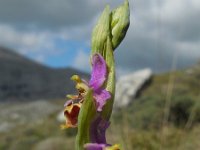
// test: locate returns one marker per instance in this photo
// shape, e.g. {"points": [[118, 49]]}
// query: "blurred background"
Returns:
{"points": [[43, 43]]}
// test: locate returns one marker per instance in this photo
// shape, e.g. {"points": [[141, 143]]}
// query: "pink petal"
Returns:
{"points": [[94, 146], [98, 130], [99, 71], [67, 103], [101, 96]]}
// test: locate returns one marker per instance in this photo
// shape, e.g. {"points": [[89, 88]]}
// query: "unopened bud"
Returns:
{"points": [[101, 31], [120, 23]]}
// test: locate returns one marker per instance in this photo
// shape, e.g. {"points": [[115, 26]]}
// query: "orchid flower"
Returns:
{"points": [[101, 95], [91, 108]]}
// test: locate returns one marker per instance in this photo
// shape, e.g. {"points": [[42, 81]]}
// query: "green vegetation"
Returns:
{"points": [[149, 123], [166, 115]]}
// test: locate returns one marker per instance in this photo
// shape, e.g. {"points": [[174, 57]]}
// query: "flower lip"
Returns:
{"points": [[71, 113]]}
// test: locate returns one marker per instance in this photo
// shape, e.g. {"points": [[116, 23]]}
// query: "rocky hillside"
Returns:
{"points": [[24, 79], [139, 126]]}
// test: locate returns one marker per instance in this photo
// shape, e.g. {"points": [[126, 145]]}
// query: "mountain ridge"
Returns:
{"points": [[24, 79]]}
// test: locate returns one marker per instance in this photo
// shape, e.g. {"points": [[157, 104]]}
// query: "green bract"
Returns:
{"points": [[120, 23], [86, 114]]}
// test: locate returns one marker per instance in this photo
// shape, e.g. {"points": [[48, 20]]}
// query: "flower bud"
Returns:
{"points": [[119, 23], [113, 25], [101, 31]]}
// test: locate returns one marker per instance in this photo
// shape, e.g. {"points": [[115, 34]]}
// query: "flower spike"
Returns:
{"points": [[91, 108]]}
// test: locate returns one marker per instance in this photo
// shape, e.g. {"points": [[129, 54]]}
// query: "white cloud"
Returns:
{"points": [[34, 42], [40, 58], [158, 29], [81, 61]]}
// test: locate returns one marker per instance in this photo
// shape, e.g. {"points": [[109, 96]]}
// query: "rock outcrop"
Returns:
{"points": [[129, 86], [13, 115]]}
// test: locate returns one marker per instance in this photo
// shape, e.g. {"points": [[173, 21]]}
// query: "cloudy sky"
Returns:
{"points": [[57, 33]]}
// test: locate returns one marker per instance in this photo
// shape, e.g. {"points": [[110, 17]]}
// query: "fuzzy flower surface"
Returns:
{"points": [[100, 95], [98, 77]]}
